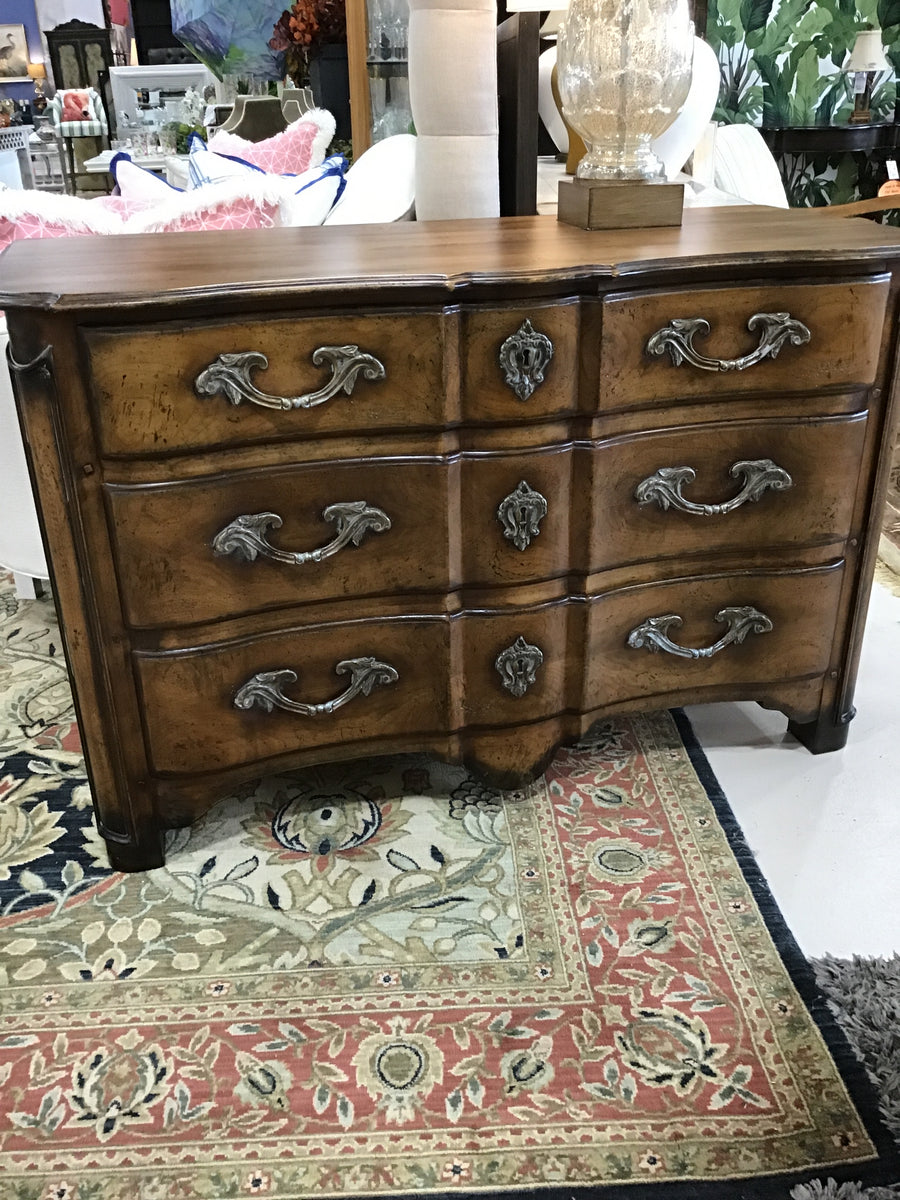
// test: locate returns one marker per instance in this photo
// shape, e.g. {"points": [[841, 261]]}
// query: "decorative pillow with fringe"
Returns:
{"points": [[234, 204], [301, 146], [34, 214]]}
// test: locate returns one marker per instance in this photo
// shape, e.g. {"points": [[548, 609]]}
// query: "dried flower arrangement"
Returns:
{"points": [[303, 29]]}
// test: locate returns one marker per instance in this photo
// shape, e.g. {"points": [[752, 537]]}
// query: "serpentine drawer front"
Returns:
{"points": [[188, 388], [458, 488], [754, 629], [738, 486], [213, 731], [790, 338], [263, 538], [518, 363]]}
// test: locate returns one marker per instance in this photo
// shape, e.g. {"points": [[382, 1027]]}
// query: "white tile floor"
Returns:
{"points": [[825, 828]]}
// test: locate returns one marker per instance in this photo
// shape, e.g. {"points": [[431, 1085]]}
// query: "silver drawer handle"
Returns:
{"points": [[678, 339], [265, 689], [518, 665], [664, 486], [524, 357], [229, 376], [652, 634], [520, 515], [245, 536]]}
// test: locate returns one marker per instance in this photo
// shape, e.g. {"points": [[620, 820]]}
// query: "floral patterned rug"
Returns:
{"points": [[385, 979]]}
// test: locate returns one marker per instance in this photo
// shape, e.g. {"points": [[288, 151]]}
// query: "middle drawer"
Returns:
{"points": [[200, 550]]}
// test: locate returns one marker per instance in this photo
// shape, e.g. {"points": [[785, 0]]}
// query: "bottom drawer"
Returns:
{"points": [[249, 701], [398, 679], [751, 629]]}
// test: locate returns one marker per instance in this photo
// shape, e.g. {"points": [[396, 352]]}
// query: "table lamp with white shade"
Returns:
{"points": [[37, 72], [866, 59]]}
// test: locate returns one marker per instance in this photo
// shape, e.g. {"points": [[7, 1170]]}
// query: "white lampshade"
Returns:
{"points": [[868, 53]]}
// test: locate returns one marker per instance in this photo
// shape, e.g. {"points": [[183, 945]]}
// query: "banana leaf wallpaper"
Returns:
{"points": [[781, 63]]}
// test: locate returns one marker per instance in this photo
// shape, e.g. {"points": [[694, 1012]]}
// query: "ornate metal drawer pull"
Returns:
{"points": [[520, 515], [524, 358], [652, 634], [265, 689], [245, 536], [518, 665], [664, 486], [678, 339], [230, 376]]}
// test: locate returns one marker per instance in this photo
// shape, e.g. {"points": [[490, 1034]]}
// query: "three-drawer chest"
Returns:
{"points": [[453, 487]]}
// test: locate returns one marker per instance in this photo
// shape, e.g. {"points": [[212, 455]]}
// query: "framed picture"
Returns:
{"points": [[13, 54]]}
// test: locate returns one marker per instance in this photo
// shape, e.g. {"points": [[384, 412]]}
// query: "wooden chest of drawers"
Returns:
{"points": [[455, 487]]}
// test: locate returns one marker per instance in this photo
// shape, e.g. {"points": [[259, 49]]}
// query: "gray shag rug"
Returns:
{"points": [[864, 995]]}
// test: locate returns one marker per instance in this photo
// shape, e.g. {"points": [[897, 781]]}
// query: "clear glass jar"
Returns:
{"points": [[624, 71]]}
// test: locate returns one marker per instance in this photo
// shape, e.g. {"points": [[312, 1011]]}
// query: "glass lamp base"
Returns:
{"points": [[620, 160]]}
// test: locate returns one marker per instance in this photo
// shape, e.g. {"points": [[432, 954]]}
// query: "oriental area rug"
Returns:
{"points": [[387, 980]]}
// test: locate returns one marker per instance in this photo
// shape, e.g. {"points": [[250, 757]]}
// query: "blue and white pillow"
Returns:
{"points": [[305, 199], [312, 195], [137, 183], [205, 167]]}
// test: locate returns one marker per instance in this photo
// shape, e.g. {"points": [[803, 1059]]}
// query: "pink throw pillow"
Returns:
{"points": [[217, 206], [236, 214], [31, 214], [76, 106], [301, 146], [123, 206]]}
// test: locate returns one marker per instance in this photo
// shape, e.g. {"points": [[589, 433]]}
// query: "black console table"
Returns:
{"points": [[882, 139], [870, 145]]}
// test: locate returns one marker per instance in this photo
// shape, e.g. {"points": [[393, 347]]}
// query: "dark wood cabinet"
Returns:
{"points": [[79, 54], [460, 487]]}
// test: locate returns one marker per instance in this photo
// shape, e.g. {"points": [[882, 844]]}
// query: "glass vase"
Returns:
{"points": [[624, 71]]}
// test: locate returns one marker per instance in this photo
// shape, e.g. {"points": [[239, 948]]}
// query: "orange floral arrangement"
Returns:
{"points": [[303, 29]]}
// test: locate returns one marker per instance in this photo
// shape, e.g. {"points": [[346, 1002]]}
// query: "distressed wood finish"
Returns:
{"points": [[843, 352], [152, 407], [517, 547]]}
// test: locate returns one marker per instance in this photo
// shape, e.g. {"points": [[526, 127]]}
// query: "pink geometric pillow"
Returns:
{"points": [[231, 205], [299, 147], [32, 214], [122, 206]]}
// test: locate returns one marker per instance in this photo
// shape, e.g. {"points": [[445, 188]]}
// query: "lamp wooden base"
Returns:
{"points": [[629, 204]]}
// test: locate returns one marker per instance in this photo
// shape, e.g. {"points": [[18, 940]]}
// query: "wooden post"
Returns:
{"points": [[357, 56]]}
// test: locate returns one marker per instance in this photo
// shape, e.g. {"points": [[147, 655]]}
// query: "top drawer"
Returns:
{"points": [[168, 388], [696, 344]]}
